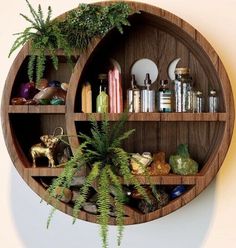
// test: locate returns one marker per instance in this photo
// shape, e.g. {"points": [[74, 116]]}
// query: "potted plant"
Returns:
{"points": [[108, 162]]}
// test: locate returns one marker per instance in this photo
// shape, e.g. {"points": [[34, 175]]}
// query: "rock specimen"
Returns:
{"points": [[181, 163], [159, 165]]}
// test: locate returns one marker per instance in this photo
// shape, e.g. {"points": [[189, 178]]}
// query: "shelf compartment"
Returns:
{"points": [[154, 116]]}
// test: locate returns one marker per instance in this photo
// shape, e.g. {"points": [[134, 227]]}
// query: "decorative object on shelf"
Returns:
{"points": [[213, 102], [102, 154], [27, 90], [134, 97], [51, 93], [18, 101], [182, 83], [64, 194], [142, 204], [102, 101], [177, 191], [164, 97], [143, 66], [139, 163], [148, 98], [181, 163], [115, 90], [86, 98], [74, 32], [171, 68], [200, 102], [159, 165], [42, 84], [46, 148]]}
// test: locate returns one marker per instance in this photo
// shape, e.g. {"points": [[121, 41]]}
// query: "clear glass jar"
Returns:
{"points": [[213, 102], [200, 102], [181, 85]]}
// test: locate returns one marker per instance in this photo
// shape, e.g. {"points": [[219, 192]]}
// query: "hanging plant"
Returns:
{"points": [[107, 161], [75, 32]]}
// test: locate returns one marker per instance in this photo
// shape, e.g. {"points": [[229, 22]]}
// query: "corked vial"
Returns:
{"points": [[181, 85]]}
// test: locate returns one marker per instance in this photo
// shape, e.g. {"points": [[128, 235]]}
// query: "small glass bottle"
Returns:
{"points": [[102, 101], [199, 102], [133, 97], [164, 97], [147, 96], [191, 103], [103, 81], [213, 102], [181, 85]]}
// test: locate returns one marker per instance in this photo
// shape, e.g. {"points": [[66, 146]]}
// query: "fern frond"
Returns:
{"points": [[31, 66], [85, 188], [103, 205]]}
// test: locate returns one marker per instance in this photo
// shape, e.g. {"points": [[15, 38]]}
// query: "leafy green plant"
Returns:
{"points": [[102, 153], [45, 37], [74, 32], [89, 21]]}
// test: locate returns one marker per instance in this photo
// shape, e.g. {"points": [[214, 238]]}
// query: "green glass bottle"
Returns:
{"points": [[102, 101]]}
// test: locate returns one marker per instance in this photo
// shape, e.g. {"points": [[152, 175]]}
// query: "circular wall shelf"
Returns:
{"points": [[161, 37]]}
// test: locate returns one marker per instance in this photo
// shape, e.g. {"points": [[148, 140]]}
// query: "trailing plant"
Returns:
{"points": [[74, 32], [103, 154], [90, 20], [45, 37]]}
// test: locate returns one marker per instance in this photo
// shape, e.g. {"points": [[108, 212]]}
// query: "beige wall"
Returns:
{"points": [[208, 221]]}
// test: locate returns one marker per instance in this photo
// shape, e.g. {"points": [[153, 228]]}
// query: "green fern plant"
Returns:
{"points": [[45, 37], [103, 154], [74, 32]]}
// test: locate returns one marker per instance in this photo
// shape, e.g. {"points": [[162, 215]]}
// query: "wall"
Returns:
{"points": [[208, 221]]}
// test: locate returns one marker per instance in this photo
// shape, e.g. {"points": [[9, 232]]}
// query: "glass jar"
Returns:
{"points": [[103, 81], [213, 102], [200, 102], [181, 85]]}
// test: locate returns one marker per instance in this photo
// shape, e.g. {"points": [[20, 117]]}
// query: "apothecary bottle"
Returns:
{"points": [[191, 103], [164, 95], [182, 83], [102, 101], [148, 99], [199, 102], [103, 81], [213, 102], [134, 97]]}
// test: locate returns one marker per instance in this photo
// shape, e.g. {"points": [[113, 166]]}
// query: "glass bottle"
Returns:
{"points": [[147, 96], [164, 97], [191, 103], [133, 97], [213, 102], [102, 101], [181, 84], [199, 102], [103, 81]]}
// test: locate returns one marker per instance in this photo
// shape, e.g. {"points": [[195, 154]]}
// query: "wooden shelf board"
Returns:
{"points": [[37, 109], [155, 116], [170, 179], [44, 171]]}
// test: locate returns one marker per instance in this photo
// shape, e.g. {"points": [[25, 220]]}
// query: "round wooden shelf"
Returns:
{"points": [[155, 34]]}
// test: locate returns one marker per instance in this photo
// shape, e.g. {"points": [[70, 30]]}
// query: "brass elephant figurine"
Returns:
{"points": [[45, 149]]}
